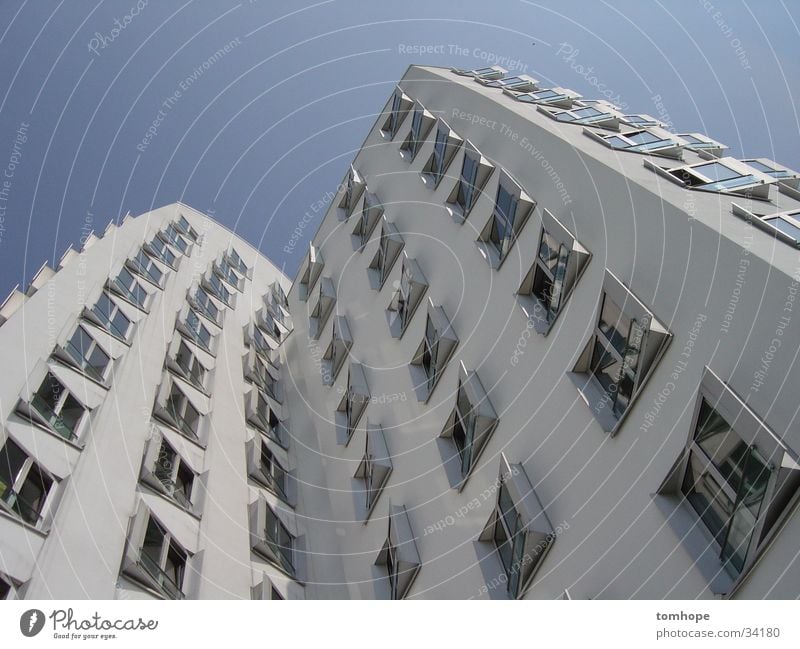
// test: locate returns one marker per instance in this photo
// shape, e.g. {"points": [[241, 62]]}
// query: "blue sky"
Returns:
{"points": [[109, 108]]}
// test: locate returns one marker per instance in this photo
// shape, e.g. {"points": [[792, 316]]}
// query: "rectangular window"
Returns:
{"points": [[439, 153], [206, 304], [184, 226], [466, 184], [111, 317], [163, 559], [24, 486], [147, 268], [131, 288], [280, 541], [626, 344], [464, 429], [548, 281], [184, 415], [198, 332], [218, 289], [273, 472], [61, 411], [175, 238], [174, 474], [193, 370], [726, 482], [88, 355], [160, 249]]}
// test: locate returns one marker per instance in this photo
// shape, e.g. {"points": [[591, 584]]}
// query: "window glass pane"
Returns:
{"points": [[785, 226], [643, 137], [32, 495], [606, 369], [749, 501], [12, 457], [721, 444], [614, 324], [716, 171], [707, 496]]}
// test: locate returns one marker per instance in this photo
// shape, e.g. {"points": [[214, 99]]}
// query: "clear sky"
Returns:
{"points": [[109, 107]]}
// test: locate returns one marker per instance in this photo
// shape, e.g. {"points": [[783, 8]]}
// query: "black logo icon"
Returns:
{"points": [[31, 622]]}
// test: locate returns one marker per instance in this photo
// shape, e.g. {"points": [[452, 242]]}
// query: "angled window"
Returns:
{"points": [[389, 246], [700, 142], [265, 590], [421, 124], [185, 363], [311, 271], [512, 207], [228, 274], [399, 557], [83, 353], [194, 329], [26, 488], [146, 268], [262, 374], [161, 251], [173, 236], [353, 190], [401, 104], [407, 296], [491, 72], [433, 353], [641, 120], [9, 588], [475, 171], [352, 405], [186, 229], [516, 83], [278, 294], [269, 325], [651, 141], [214, 285], [202, 303], [558, 97], [445, 147], [737, 478], [725, 175], [468, 428], [337, 351], [374, 469], [55, 407], [263, 415], [559, 263], [175, 409], [626, 345], [233, 260], [270, 538], [518, 529], [323, 308], [371, 214], [784, 226], [263, 467], [770, 168], [166, 472], [107, 315], [257, 340], [153, 557], [128, 287], [602, 116]]}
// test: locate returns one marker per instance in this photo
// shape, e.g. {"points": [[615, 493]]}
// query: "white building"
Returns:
{"points": [[538, 349]]}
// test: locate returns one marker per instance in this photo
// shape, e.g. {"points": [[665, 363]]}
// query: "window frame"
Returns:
{"points": [[466, 193], [656, 339], [434, 352], [576, 261], [45, 510], [398, 107], [501, 231]]}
